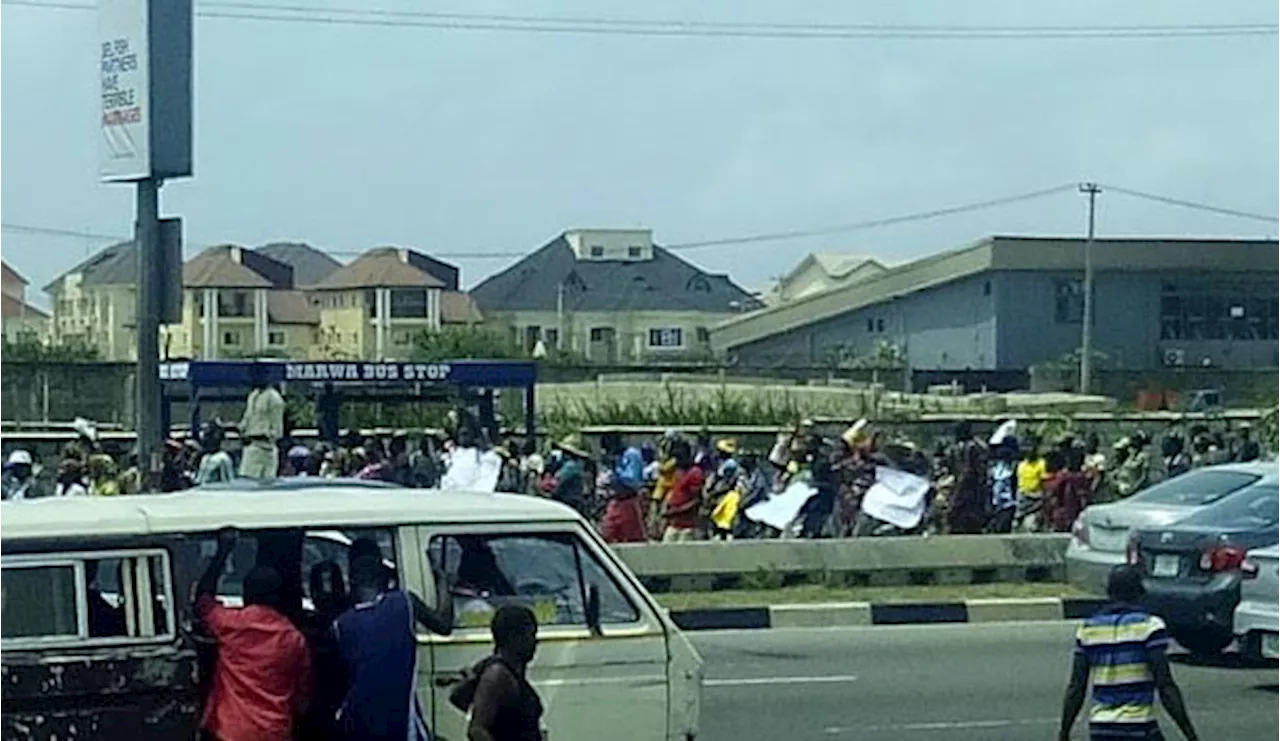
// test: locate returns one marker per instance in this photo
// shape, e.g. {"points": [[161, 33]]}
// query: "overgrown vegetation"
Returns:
{"points": [[463, 343], [29, 349]]}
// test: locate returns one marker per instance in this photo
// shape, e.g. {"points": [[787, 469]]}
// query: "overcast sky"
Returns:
{"points": [[349, 136]]}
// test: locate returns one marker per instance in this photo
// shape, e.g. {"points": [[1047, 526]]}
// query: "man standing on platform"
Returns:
{"points": [[262, 427]]}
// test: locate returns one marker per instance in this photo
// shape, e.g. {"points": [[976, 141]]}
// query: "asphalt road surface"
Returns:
{"points": [[962, 682]]}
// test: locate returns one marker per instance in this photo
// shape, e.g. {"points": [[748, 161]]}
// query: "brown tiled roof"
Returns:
{"points": [[12, 306], [291, 307], [458, 308], [215, 267], [382, 267]]}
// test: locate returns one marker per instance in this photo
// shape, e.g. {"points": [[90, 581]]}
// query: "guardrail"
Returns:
{"points": [[769, 564]]}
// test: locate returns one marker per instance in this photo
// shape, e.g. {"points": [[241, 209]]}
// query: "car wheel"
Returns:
{"points": [[1203, 642]]}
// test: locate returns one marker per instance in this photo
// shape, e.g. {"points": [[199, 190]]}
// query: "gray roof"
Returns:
{"points": [[114, 265], [310, 265], [999, 253], [665, 283]]}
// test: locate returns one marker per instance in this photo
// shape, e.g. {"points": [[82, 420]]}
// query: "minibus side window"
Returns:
{"points": [[550, 573], [86, 597], [40, 602]]}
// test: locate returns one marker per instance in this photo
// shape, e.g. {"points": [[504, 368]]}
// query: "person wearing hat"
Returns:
{"points": [[569, 477], [18, 475]]}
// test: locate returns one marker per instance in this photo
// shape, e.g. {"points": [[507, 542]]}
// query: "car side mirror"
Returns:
{"points": [[593, 610]]}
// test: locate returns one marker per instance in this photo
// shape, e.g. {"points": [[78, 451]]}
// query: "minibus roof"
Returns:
{"points": [[198, 510]]}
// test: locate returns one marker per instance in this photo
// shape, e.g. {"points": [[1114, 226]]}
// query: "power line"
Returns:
{"points": [[677, 28], [1193, 205], [871, 224]]}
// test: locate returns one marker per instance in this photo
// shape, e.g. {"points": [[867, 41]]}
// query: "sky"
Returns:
{"points": [[473, 142]]}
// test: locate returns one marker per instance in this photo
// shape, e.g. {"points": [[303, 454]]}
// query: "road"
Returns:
{"points": [[960, 682]]}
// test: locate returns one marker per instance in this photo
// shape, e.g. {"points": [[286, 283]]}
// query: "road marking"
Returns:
{"points": [[940, 726], [756, 681]]}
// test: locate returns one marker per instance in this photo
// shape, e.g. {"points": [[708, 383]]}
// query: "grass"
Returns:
{"points": [[812, 594]]}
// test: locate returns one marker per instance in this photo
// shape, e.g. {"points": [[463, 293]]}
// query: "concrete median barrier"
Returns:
{"points": [[857, 562]]}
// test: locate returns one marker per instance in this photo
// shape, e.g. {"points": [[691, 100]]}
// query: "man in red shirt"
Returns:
{"points": [[684, 500], [262, 678]]}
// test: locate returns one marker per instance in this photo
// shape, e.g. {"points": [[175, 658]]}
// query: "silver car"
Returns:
{"points": [[1100, 536], [1257, 617]]}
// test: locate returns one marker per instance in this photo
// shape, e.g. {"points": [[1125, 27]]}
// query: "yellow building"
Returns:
{"points": [[239, 302], [22, 321], [610, 296], [376, 306], [95, 302]]}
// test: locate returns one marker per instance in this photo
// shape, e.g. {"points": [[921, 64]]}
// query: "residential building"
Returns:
{"points": [[822, 271], [95, 302], [377, 305], [239, 302], [1011, 302], [310, 265], [21, 320], [610, 296]]}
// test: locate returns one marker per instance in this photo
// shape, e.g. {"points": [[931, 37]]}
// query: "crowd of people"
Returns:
{"points": [[692, 487]]}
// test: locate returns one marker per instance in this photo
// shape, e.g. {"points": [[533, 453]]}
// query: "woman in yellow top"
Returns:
{"points": [[1032, 472], [102, 476]]}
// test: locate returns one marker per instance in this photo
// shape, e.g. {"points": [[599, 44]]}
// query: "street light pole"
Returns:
{"points": [[1086, 332]]}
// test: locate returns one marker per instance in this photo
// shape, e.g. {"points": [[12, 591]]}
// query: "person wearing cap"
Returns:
{"points": [[18, 476], [261, 427]]}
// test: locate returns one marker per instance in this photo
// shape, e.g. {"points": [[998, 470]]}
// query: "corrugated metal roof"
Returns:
{"points": [[381, 267], [665, 283]]}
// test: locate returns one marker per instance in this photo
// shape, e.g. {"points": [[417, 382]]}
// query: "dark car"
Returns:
{"points": [[1193, 567]]}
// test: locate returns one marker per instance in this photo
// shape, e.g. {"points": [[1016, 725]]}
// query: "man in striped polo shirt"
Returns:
{"points": [[1122, 650]]}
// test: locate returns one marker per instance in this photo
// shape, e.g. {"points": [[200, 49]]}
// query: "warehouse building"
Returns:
{"points": [[1008, 303]]}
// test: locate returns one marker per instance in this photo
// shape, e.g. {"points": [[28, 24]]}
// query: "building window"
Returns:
{"points": [[234, 304], [275, 338], [1217, 312], [597, 251], [371, 303], [231, 338], [551, 337], [635, 252], [1068, 301], [703, 335], [409, 303], [601, 334], [666, 337], [986, 288]]}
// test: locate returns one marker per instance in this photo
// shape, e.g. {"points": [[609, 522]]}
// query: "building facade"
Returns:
{"points": [[609, 296], [377, 306], [1008, 303], [95, 303], [21, 320]]}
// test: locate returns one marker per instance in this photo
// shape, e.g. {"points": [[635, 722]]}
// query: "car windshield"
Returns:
{"points": [[1196, 488], [1253, 507]]}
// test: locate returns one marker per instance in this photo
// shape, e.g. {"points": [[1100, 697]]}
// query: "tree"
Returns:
{"points": [[463, 343], [29, 349]]}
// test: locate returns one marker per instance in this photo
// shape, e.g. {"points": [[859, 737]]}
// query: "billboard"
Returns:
{"points": [[144, 73]]}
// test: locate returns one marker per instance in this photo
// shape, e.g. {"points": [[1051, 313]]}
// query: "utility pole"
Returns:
{"points": [[151, 280], [1086, 331]]}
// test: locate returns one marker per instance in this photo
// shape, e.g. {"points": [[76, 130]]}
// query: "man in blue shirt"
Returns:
{"points": [[377, 648], [1122, 650]]}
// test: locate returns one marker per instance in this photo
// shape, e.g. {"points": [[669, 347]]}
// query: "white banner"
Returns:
{"points": [[124, 92], [471, 470], [781, 509]]}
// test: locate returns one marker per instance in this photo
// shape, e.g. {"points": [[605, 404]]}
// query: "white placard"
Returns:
{"points": [[897, 498], [472, 470], [781, 509], [124, 90]]}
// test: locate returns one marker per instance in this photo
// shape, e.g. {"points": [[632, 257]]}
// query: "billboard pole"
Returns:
{"points": [[151, 276]]}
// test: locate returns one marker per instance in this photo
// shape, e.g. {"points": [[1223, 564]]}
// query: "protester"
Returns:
{"points": [[1032, 472], [680, 510], [1003, 475], [505, 706], [18, 475], [1068, 490], [624, 516], [261, 427], [1174, 456], [262, 677], [1247, 449], [71, 481], [215, 465], [1122, 651], [1134, 473], [967, 462], [103, 480], [378, 651], [570, 477]]}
